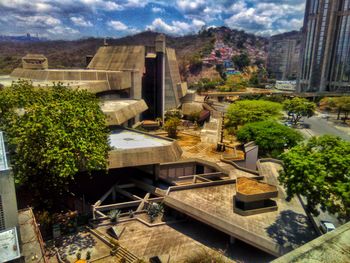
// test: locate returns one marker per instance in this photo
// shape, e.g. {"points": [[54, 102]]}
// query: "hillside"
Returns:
{"points": [[190, 49]]}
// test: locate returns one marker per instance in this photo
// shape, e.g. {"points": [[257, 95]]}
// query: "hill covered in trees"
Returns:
{"points": [[190, 49]]}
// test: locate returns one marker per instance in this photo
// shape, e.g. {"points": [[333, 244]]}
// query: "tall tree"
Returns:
{"points": [[320, 171], [266, 132], [298, 108], [241, 61], [54, 133], [338, 104], [246, 111]]}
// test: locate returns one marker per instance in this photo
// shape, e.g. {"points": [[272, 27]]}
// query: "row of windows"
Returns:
{"points": [[314, 6], [341, 68], [344, 5], [2, 218]]}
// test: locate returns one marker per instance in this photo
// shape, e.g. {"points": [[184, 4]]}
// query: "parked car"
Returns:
{"points": [[288, 124], [326, 226]]}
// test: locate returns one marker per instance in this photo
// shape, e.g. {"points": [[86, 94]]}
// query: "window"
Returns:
{"points": [[2, 216]]}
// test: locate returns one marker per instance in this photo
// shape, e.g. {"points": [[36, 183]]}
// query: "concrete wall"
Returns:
{"points": [[8, 197], [172, 172]]}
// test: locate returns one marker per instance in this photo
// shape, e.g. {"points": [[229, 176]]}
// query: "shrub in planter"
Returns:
{"points": [[114, 215]]}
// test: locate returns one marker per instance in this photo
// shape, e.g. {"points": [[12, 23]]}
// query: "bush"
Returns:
{"points": [[272, 137], [246, 111], [171, 126], [205, 256], [154, 210], [114, 215]]}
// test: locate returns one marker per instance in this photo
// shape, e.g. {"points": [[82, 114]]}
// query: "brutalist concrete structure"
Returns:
{"points": [[8, 201], [325, 55], [35, 61], [253, 197], [148, 73], [283, 55]]}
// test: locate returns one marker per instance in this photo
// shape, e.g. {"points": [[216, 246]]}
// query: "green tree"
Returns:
{"points": [[272, 137], [171, 125], [246, 111], [319, 170], [298, 108], [241, 61], [339, 104], [53, 134]]}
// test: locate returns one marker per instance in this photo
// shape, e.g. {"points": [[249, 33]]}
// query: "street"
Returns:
{"points": [[319, 126]]}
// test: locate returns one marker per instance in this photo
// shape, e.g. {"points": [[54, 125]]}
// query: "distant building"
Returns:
{"points": [[232, 71], [287, 85], [325, 60], [283, 55]]}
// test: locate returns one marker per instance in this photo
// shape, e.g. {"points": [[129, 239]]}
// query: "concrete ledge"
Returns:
{"points": [[240, 167], [255, 197], [120, 111], [254, 211]]}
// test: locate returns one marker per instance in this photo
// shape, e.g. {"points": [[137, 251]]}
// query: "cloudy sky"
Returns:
{"points": [[72, 19]]}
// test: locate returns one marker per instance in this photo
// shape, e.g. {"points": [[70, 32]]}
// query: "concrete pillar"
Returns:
{"points": [[114, 196], [156, 172]]}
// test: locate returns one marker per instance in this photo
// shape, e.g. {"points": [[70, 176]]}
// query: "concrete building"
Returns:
{"points": [[325, 55], [9, 242], [8, 202], [283, 55], [146, 74]]}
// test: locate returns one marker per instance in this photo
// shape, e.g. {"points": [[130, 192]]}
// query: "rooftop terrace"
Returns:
{"points": [[275, 232], [135, 148]]}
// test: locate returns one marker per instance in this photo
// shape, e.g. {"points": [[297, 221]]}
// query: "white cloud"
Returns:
{"points": [[176, 27], [62, 31], [101, 4], [36, 21], [157, 10], [190, 5], [120, 26], [80, 21], [265, 17], [117, 25]]}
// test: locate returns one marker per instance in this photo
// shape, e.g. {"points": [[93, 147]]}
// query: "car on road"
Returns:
{"points": [[324, 116], [326, 226], [288, 123]]}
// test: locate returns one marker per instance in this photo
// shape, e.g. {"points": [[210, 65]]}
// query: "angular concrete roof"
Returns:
{"points": [[119, 58], [92, 80], [135, 148], [119, 111]]}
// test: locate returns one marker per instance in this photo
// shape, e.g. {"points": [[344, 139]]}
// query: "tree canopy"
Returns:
{"points": [[320, 171], [298, 108], [241, 61], [272, 137], [53, 133], [339, 104], [246, 111], [171, 125]]}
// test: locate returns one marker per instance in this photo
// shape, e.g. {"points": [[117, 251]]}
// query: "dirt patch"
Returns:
{"points": [[250, 186], [187, 140]]}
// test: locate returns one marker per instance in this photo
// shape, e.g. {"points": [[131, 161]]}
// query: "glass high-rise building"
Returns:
{"points": [[325, 54]]}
